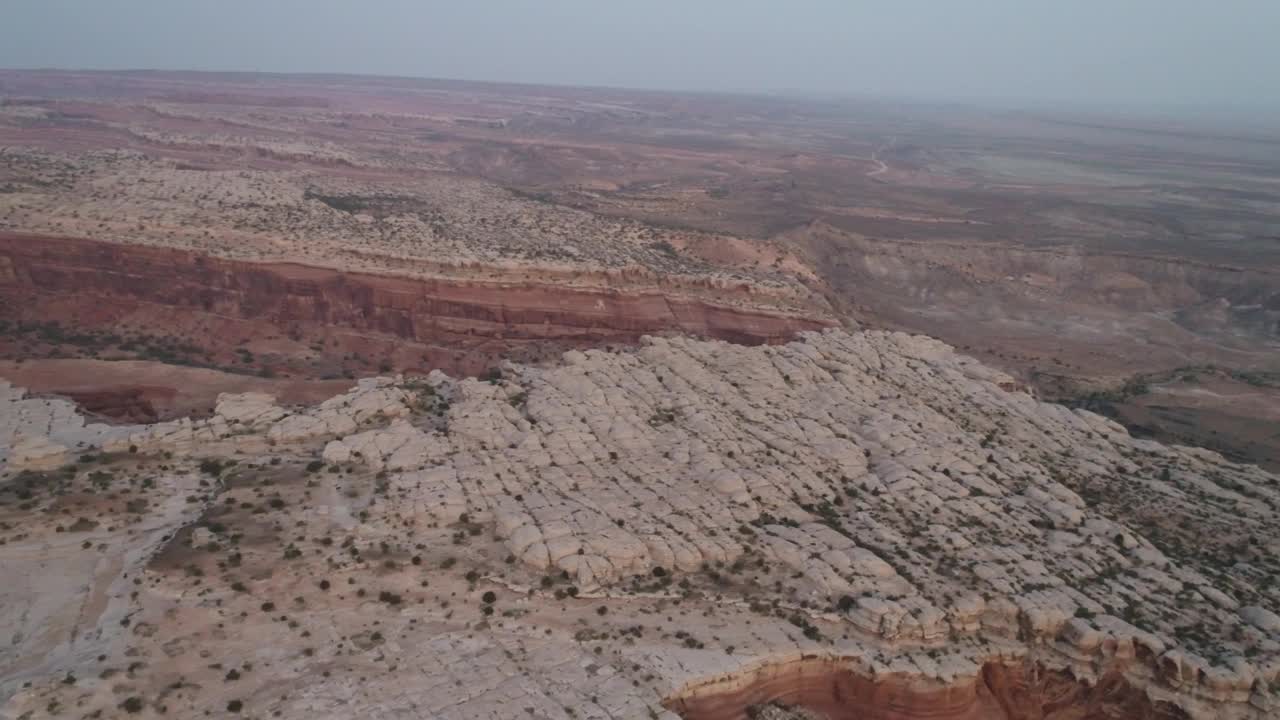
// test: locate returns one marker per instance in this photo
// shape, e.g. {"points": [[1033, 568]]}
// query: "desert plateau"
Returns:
{"points": [[342, 396]]}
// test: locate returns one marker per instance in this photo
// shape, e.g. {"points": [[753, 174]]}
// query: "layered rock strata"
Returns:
{"points": [[307, 313]]}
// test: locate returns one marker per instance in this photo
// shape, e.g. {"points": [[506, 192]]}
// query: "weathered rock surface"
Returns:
{"points": [[655, 524], [41, 433]]}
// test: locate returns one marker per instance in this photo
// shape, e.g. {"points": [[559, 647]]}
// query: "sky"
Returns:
{"points": [[1127, 52]]}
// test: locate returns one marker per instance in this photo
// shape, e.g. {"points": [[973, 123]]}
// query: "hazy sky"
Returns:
{"points": [[1201, 52]]}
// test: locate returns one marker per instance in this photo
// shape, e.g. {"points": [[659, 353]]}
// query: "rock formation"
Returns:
{"points": [[220, 305], [863, 525]]}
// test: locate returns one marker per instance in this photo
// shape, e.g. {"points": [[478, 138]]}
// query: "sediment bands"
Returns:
{"points": [[832, 689], [457, 325]]}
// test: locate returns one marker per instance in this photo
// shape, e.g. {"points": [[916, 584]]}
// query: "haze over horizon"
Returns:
{"points": [[1142, 52]]}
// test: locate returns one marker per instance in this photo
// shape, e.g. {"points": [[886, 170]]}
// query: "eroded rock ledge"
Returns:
{"points": [[838, 689], [700, 512]]}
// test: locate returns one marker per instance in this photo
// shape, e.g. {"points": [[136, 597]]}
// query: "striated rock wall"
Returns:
{"points": [[460, 326], [838, 690]]}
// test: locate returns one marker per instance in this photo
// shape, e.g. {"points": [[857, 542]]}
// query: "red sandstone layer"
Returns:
{"points": [[1019, 691], [293, 311]]}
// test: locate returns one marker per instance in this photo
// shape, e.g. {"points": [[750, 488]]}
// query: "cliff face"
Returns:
{"points": [[1013, 691], [220, 304]]}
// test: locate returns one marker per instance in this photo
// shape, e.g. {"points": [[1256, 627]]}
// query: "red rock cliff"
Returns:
{"points": [[1016, 691], [456, 325]]}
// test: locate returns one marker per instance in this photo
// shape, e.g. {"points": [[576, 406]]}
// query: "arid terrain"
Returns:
{"points": [[861, 525], [658, 428], [1075, 252]]}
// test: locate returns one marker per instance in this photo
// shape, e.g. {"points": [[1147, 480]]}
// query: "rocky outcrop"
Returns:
{"points": [[220, 304], [45, 433], [862, 520]]}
